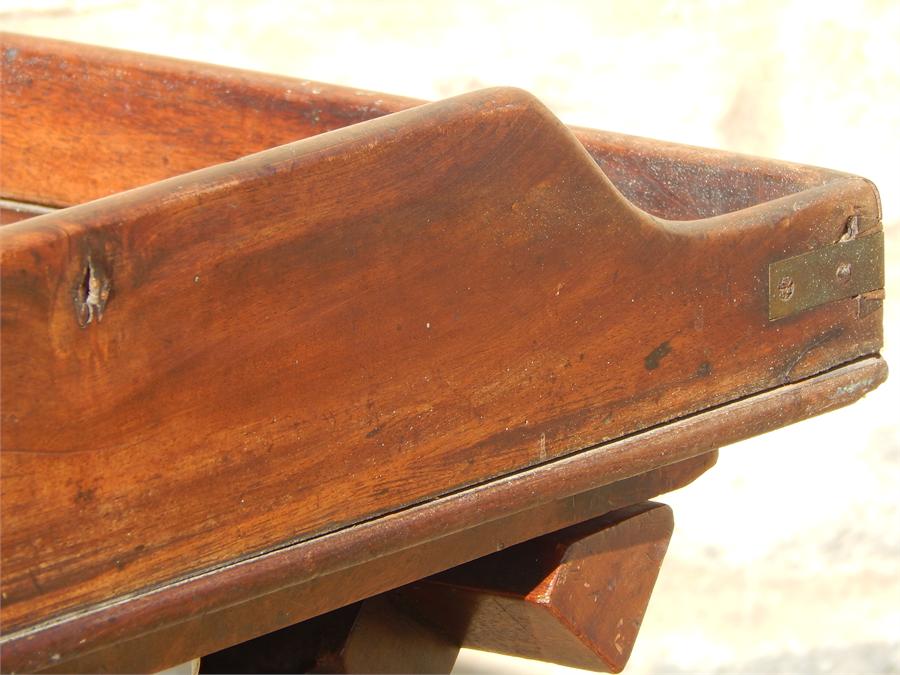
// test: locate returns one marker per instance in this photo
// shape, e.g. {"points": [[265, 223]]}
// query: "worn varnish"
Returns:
{"points": [[176, 622], [215, 367], [155, 115], [206, 613]]}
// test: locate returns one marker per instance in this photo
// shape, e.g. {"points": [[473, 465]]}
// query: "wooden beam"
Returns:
{"points": [[575, 597], [373, 636]]}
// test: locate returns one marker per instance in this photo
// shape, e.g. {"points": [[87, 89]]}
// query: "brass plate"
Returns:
{"points": [[834, 272]]}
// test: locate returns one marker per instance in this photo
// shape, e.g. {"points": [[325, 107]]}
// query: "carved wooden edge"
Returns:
{"points": [[12, 211], [255, 111], [358, 565], [151, 630]]}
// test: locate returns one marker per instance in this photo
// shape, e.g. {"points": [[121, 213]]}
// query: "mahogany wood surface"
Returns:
{"points": [[231, 363], [574, 597], [160, 117], [204, 614], [377, 316], [174, 623]]}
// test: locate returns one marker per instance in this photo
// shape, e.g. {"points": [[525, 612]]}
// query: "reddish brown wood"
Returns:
{"points": [[77, 118], [205, 614], [574, 597], [154, 113], [384, 638], [447, 295], [178, 622], [8, 216], [13, 212], [452, 293], [374, 636]]}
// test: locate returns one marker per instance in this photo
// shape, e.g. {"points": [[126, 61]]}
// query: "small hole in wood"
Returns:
{"points": [[91, 294], [84, 290]]}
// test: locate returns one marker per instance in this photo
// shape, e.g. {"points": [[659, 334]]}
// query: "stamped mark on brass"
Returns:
{"points": [[786, 288], [851, 267]]}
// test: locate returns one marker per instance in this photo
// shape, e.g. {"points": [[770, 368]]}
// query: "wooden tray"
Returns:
{"points": [[240, 390]]}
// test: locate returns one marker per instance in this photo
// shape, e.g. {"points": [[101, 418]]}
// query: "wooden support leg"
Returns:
{"points": [[374, 636], [574, 597]]}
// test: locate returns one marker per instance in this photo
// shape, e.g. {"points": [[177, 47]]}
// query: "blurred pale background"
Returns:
{"points": [[786, 557]]}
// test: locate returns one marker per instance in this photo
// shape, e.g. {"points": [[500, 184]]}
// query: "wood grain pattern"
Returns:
{"points": [[226, 363], [177, 622], [206, 613], [446, 295], [575, 597], [154, 116]]}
